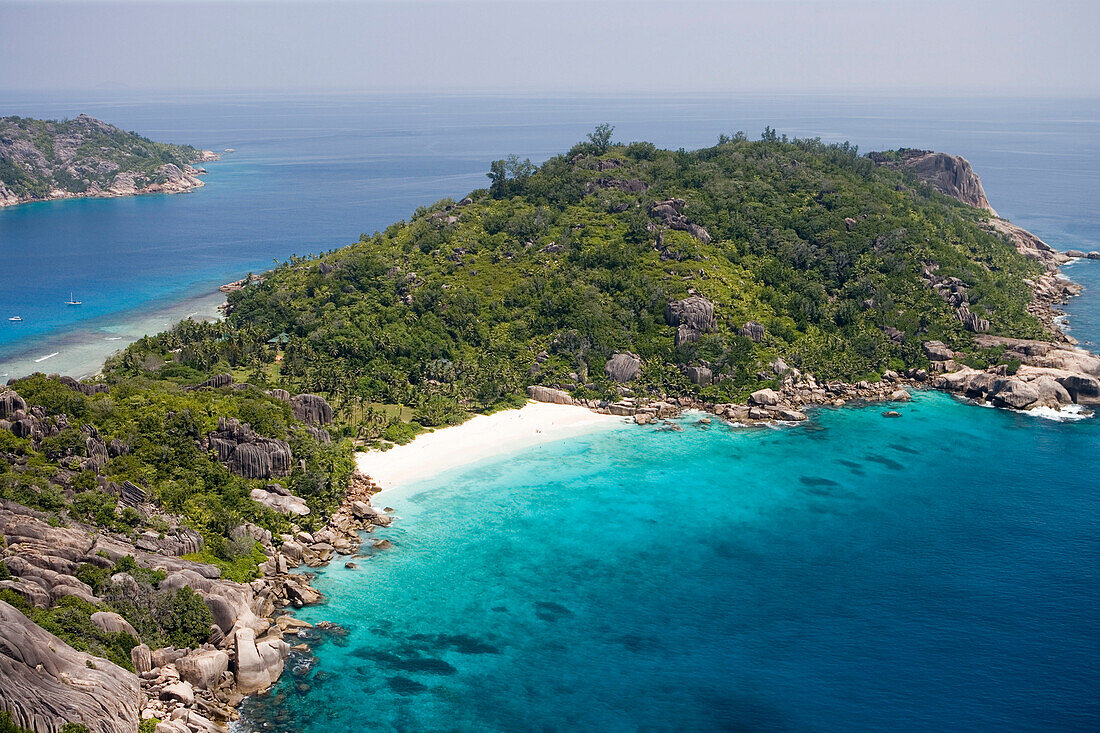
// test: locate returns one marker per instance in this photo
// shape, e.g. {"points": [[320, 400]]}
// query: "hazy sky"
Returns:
{"points": [[955, 46]]}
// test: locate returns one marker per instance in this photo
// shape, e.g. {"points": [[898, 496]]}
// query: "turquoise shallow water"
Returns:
{"points": [[934, 572]]}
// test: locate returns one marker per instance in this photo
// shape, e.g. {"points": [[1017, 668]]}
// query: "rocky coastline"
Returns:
{"points": [[177, 179], [1052, 373], [88, 158], [187, 690]]}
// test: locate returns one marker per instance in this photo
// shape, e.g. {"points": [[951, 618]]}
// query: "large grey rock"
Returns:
{"points": [[113, 623], [972, 321], [45, 683], [623, 367], [538, 393], [257, 665], [1051, 393], [311, 408], [1082, 388], [700, 375], [1010, 392], [142, 659], [753, 331], [181, 691], [695, 312], [10, 402], [249, 454], [685, 334], [937, 351], [280, 503], [949, 174], [764, 397], [203, 668]]}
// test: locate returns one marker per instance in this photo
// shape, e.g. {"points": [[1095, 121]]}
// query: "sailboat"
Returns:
{"points": [[71, 301], [15, 319]]}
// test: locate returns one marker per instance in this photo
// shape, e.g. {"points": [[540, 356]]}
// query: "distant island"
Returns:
{"points": [[41, 160], [153, 517]]}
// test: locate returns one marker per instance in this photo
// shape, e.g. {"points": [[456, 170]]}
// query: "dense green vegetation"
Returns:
{"points": [[445, 313], [162, 426], [100, 153]]}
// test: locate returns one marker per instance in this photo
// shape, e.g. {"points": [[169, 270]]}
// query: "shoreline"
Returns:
{"points": [[81, 351], [479, 438], [189, 181]]}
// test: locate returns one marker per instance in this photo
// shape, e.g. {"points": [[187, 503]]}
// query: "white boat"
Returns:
{"points": [[15, 319], [71, 301]]}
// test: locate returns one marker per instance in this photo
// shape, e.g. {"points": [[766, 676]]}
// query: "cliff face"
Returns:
{"points": [[951, 175], [44, 159]]}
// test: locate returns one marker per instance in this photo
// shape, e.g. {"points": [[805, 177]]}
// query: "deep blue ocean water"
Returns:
{"points": [[935, 572]]}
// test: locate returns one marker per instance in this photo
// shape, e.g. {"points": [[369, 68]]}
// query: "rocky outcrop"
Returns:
{"points": [[216, 382], [937, 351], [670, 214], [699, 375], [1028, 244], [257, 666], [623, 367], [45, 683], [277, 498], [1044, 354], [753, 331], [11, 403], [951, 175], [538, 393], [248, 454], [88, 389], [691, 317], [112, 623], [87, 157], [311, 409]]}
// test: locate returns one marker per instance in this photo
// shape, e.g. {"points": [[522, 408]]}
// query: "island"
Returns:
{"points": [[42, 160], [153, 518]]}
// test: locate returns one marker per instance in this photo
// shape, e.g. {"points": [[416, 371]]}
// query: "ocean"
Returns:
{"points": [[934, 572]]}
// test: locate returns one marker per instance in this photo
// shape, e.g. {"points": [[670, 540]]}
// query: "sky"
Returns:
{"points": [[996, 47]]}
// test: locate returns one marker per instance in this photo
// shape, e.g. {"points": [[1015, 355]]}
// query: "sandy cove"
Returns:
{"points": [[481, 437]]}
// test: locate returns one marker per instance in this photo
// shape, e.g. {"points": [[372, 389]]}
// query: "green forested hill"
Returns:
{"points": [[579, 257]]}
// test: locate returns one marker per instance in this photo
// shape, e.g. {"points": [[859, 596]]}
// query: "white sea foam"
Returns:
{"points": [[47, 356], [1067, 413]]}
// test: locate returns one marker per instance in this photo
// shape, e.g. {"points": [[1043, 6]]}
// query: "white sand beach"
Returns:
{"points": [[481, 437]]}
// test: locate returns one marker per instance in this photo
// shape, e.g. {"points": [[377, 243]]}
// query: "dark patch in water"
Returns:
{"points": [[550, 611], [850, 464], [635, 643], [426, 665], [405, 686], [411, 663], [375, 654], [818, 481], [894, 465], [461, 643], [905, 449], [500, 609]]}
